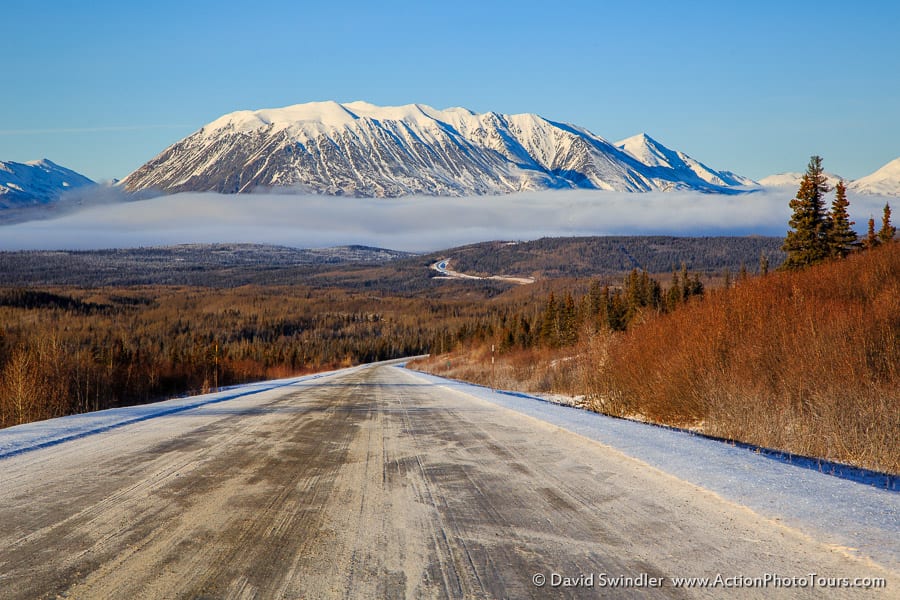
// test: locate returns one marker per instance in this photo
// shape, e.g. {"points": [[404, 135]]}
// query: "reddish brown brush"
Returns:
{"points": [[808, 362]]}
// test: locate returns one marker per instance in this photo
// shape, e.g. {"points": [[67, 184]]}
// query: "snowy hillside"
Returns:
{"points": [[792, 180], [653, 154], [883, 182], [361, 149], [37, 182]]}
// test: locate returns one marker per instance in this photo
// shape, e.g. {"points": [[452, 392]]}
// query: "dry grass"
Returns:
{"points": [[530, 370]]}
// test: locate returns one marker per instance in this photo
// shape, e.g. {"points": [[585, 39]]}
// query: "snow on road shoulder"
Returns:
{"points": [[43, 434], [854, 517]]}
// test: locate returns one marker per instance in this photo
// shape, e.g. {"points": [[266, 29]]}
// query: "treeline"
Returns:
{"points": [[68, 351], [208, 265], [234, 265], [566, 315], [615, 255]]}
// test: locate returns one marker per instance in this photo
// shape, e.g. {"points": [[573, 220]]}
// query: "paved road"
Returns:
{"points": [[374, 483]]}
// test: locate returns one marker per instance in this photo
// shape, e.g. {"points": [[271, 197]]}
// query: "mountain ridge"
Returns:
{"points": [[884, 181], [361, 149], [36, 182]]}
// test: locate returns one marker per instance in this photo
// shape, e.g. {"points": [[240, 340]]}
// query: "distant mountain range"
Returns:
{"points": [[792, 180], [883, 182], [361, 149], [35, 183]]}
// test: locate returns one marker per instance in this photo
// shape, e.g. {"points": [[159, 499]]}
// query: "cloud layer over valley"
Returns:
{"points": [[411, 223]]}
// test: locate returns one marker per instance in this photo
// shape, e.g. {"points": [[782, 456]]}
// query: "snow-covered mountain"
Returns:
{"points": [[884, 182], [36, 182], [365, 150], [653, 154], [792, 180]]}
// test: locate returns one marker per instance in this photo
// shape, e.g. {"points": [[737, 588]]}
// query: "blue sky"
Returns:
{"points": [[754, 87]]}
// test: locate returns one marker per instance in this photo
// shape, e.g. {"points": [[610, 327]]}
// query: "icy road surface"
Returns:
{"points": [[382, 483]]}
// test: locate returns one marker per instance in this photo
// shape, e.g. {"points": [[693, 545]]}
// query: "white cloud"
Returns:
{"points": [[413, 223]]}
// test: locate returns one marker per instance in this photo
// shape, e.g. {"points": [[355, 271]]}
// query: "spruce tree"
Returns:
{"points": [[763, 263], [595, 296], [674, 296], [871, 238], [549, 334], [806, 244], [841, 237], [887, 231], [696, 286], [568, 327]]}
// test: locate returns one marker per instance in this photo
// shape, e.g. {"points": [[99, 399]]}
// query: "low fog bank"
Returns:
{"points": [[413, 223]]}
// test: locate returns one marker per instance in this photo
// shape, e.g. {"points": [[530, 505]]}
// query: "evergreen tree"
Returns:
{"points": [[618, 312], [549, 334], [871, 238], [567, 327], [696, 286], [634, 293], [641, 291], [887, 231], [763, 263], [841, 237], [595, 299], [806, 244], [674, 295]]}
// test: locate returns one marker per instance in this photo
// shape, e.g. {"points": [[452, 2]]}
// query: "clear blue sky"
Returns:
{"points": [[753, 87]]}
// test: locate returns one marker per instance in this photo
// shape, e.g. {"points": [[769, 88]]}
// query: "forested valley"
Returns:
{"points": [[65, 350]]}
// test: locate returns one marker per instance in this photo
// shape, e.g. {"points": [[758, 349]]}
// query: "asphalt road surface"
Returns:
{"points": [[376, 483]]}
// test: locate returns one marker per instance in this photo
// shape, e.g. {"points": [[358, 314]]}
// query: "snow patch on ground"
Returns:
{"points": [[43, 434]]}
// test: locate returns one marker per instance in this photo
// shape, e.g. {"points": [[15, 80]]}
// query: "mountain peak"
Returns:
{"points": [[655, 155], [359, 148], [329, 114], [885, 181], [36, 182], [647, 150], [639, 138], [43, 162]]}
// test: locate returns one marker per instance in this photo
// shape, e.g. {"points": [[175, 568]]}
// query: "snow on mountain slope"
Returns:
{"points": [[793, 180], [883, 182], [653, 154], [361, 149], [36, 182]]}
